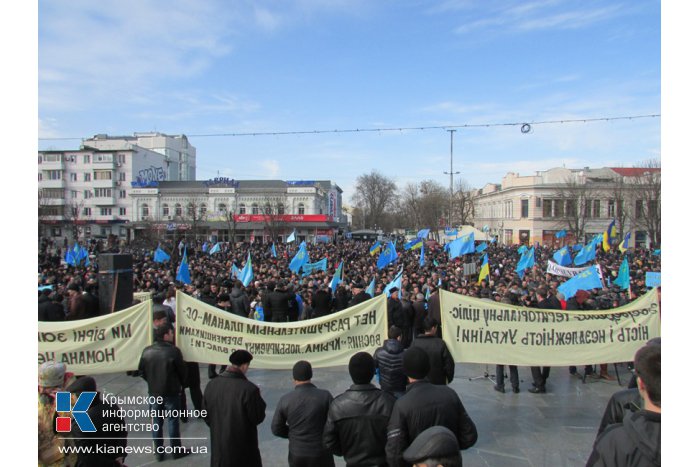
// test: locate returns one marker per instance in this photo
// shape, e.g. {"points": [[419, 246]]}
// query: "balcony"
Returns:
{"points": [[103, 201], [52, 202], [58, 165], [45, 183]]}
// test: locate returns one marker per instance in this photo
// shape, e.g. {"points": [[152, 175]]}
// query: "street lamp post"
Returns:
{"points": [[450, 173]]}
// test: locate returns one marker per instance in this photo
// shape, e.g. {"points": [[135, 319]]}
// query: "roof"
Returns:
{"points": [[634, 171]]}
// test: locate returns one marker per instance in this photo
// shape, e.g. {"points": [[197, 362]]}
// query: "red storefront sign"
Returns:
{"points": [[282, 218]]}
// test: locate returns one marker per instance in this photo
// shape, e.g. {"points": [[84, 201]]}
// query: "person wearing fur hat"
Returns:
{"points": [[423, 406], [53, 378], [234, 408], [300, 416], [357, 419]]}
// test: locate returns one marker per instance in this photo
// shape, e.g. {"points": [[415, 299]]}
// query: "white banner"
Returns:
{"points": [[554, 268]]}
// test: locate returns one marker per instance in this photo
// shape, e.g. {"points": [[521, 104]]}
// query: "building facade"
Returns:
{"points": [[223, 209], [85, 193], [530, 209]]}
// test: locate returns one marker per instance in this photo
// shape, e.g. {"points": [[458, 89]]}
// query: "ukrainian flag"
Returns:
{"points": [[375, 248], [624, 246], [484, 269], [610, 233]]}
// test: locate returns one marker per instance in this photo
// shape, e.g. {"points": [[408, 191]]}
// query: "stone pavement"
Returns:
{"points": [[538, 430]]}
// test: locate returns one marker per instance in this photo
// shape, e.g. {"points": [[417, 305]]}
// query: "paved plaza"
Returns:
{"points": [[553, 429]]}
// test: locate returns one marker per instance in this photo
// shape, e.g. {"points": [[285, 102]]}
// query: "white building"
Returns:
{"points": [[244, 210], [85, 192]]}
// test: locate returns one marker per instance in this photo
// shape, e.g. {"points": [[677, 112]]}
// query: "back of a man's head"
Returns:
{"points": [[647, 364], [394, 332], [162, 330]]}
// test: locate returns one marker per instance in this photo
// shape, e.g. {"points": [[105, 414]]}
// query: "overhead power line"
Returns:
{"points": [[521, 124]]}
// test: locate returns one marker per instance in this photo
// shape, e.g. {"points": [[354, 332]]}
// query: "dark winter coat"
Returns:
{"points": [[300, 416], [426, 405], [240, 305], [419, 314], [389, 360], [163, 368], [396, 314], [321, 303], [620, 404], [634, 442], [234, 411], [442, 365], [434, 307], [51, 311], [359, 298], [357, 424], [276, 304]]}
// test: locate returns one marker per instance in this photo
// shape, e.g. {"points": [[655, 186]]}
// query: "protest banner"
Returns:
{"points": [[209, 335], [142, 296], [484, 331], [557, 270], [105, 344]]}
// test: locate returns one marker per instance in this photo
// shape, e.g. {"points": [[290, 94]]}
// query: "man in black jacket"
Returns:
{"points": [[395, 312], [51, 307], [637, 440], [276, 303], [321, 302], [234, 411], [164, 370], [442, 365], [423, 406], [240, 304], [539, 375], [102, 448], [358, 294], [300, 416], [357, 419], [389, 361]]}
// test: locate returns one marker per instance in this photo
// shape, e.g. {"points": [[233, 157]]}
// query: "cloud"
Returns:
{"points": [[272, 168]]}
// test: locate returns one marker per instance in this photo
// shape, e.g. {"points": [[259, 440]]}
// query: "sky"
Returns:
{"points": [[212, 69]]}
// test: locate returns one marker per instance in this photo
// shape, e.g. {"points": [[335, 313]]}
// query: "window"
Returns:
{"points": [[40, 176], [653, 205], [570, 208], [254, 209], [122, 211], [178, 210], [588, 208], [103, 192], [87, 177], [268, 209], [301, 208], [639, 209], [538, 202], [222, 208], [202, 210], [87, 194], [54, 175], [52, 158], [144, 210], [241, 208], [73, 194], [547, 208], [86, 158], [73, 177], [56, 231], [122, 176], [88, 231], [104, 157], [122, 194], [596, 208], [611, 208], [121, 158], [87, 212], [166, 210], [52, 193], [74, 211], [558, 207], [105, 231], [49, 211], [105, 211], [280, 209], [524, 208], [103, 175]]}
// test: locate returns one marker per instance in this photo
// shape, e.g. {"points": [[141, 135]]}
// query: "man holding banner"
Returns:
{"points": [[547, 301]]}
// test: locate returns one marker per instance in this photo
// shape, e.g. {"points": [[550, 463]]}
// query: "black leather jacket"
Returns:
{"points": [[442, 364], [163, 368], [389, 360], [357, 423], [239, 302]]}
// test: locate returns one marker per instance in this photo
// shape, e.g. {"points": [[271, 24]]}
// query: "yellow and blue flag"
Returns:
{"points": [[625, 244], [376, 248], [610, 233], [484, 269], [413, 244]]}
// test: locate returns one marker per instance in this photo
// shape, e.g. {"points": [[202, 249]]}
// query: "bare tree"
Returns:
{"points": [[576, 204], [463, 202], [195, 214], [273, 210], [621, 202], [647, 194], [434, 204], [377, 195]]}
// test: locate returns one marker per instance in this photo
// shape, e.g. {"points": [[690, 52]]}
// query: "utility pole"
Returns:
{"points": [[450, 173]]}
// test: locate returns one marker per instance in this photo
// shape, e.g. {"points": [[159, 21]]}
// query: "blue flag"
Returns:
{"points": [[387, 256], [235, 272], [577, 247], [422, 256], [481, 247], [246, 274], [657, 252], [300, 259], [160, 256], [450, 232], [215, 249], [371, 287], [205, 247], [309, 268], [586, 254], [527, 260], [274, 251], [183, 272], [522, 249], [292, 236], [563, 257], [423, 233], [561, 233], [395, 283], [462, 246], [623, 275], [585, 280], [653, 279], [336, 277]]}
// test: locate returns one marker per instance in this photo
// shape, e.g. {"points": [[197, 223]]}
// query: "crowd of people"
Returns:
{"points": [[367, 425]]}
